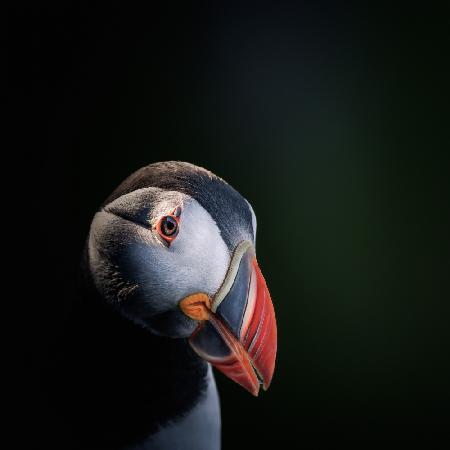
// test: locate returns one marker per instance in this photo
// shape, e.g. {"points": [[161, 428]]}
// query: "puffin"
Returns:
{"points": [[169, 289]]}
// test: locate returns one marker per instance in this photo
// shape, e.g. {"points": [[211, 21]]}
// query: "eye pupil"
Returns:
{"points": [[169, 226]]}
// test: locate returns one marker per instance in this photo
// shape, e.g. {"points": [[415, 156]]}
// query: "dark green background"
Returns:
{"points": [[332, 121]]}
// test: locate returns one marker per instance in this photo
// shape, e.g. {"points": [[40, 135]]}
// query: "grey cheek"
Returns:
{"points": [[167, 277], [152, 269], [145, 279], [154, 303]]}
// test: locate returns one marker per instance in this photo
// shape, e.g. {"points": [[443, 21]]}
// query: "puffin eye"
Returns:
{"points": [[167, 227]]}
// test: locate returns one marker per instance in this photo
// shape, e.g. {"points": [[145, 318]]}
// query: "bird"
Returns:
{"points": [[169, 288]]}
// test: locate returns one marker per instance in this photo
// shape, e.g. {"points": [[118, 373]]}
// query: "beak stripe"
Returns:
{"points": [[259, 323], [258, 352], [231, 274], [256, 322]]}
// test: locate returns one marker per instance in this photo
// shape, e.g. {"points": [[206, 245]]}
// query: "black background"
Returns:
{"points": [[332, 121]]}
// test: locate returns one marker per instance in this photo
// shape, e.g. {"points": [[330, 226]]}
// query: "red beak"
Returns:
{"points": [[240, 336]]}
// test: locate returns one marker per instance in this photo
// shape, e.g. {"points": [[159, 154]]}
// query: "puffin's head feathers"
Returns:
{"points": [[144, 275], [173, 231]]}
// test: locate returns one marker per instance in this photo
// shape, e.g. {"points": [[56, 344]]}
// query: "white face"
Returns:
{"points": [[134, 267]]}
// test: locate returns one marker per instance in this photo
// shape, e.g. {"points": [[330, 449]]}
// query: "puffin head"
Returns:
{"points": [[173, 250]]}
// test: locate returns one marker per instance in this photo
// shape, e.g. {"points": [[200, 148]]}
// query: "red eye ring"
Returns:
{"points": [[168, 226]]}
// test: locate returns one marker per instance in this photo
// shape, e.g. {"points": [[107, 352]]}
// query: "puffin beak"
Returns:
{"points": [[237, 331]]}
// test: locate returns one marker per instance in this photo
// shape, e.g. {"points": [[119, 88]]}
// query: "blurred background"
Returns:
{"points": [[332, 121]]}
